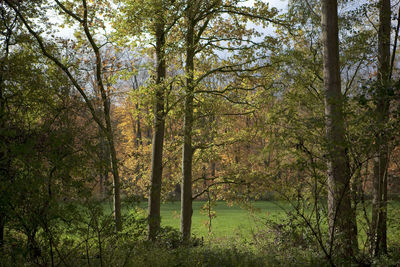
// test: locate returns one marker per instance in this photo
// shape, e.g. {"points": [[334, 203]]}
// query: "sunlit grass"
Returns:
{"points": [[230, 220], [240, 221]]}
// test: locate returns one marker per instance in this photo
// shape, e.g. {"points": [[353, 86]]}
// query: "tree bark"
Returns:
{"points": [[137, 130], [104, 157], [138, 127], [379, 192], [4, 159], [340, 214], [114, 167], [3, 172], [158, 135], [187, 151]]}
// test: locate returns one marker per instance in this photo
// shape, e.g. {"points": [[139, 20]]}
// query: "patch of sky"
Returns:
{"points": [[263, 31]]}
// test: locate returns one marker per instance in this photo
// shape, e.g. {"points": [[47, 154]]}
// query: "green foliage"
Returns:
{"points": [[259, 133], [135, 225]]}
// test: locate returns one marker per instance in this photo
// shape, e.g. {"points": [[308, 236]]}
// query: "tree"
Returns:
{"points": [[82, 17], [341, 217], [191, 19], [158, 127], [46, 148], [158, 17], [381, 160], [207, 30], [7, 28]]}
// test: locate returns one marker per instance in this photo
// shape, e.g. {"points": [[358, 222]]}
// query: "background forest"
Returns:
{"points": [[110, 108]]}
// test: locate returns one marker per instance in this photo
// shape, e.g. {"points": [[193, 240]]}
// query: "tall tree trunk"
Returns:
{"points": [[104, 157], [110, 149], [114, 168], [187, 151], [4, 159], [3, 172], [341, 216], [379, 202], [138, 128], [138, 137], [158, 135]]}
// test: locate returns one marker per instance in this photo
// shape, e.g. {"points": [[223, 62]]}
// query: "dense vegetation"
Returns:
{"points": [[110, 108]]}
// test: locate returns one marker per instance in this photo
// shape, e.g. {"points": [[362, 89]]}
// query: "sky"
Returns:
{"points": [[281, 5]]}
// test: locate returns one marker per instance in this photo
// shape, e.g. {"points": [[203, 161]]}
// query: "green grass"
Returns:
{"points": [[229, 220]]}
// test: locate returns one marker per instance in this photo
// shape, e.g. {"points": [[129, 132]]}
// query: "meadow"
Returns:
{"points": [[241, 221], [229, 220]]}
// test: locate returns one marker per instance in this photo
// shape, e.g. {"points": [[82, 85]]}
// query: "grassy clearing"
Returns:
{"points": [[240, 221], [229, 221]]}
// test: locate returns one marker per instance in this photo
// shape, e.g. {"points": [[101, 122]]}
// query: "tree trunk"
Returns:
{"points": [[3, 173], [109, 134], [158, 135], [379, 202], [340, 214], [2, 222], [187, 151], [139, 140], [116, 180], [104, 157], [4, 158]]}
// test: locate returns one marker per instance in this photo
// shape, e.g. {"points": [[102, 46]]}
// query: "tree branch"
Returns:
{"points": [[214, 184], [58, 63], [69, 12], [395, 45]]}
